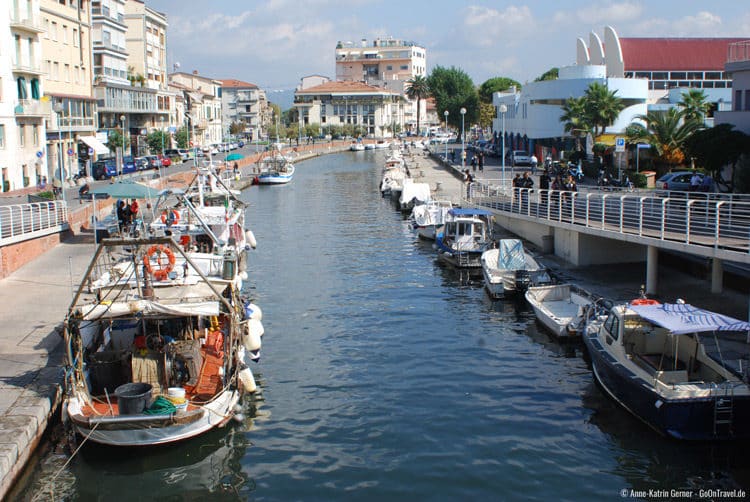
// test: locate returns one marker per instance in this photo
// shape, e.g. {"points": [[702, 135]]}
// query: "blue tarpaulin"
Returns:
{"points": [[683, 318], [511, 255]]}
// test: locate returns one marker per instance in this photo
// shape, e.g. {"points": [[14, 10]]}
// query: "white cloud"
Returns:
{"points": [[610, 13], [486, 27]]}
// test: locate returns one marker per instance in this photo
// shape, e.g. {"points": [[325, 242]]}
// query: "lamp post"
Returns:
{"points": [[463, 139], [122, 159], [61, 162], [445, 113], [161, 120], [503, 108]]}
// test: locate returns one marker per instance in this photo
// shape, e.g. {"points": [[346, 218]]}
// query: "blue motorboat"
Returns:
{"points": [[680, 369]]}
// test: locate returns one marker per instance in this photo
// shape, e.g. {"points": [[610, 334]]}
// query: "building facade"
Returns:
{"points": [[738, 68], [66, 53], [387, 63], [22, 110], [202, 104], [242, 102], [375, 109]]}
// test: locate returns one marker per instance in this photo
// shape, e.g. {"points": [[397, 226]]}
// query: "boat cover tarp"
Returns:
{"points": [[148, 307], [418, 191], [683, 318], [511, 255], [467, 211]]}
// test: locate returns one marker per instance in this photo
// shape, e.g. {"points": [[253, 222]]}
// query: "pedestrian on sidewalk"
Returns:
{"points": [[481, 162], [474, 163], [534, 163], [469, 180], [544, 181]]}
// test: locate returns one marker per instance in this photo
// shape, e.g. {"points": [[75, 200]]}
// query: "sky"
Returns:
{"points": [[273, 43]]}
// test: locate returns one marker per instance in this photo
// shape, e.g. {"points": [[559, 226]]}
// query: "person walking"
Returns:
{"points": [[527, 183], [695, 181], [534, 162], [481, 162], [469, 180], [474, 163], [544, 181]]}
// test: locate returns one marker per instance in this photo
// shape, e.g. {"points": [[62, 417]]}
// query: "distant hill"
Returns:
{"points": [[284, 98]]}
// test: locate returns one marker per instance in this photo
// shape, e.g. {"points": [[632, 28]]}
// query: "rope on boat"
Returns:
{"points": [[72, 456]]}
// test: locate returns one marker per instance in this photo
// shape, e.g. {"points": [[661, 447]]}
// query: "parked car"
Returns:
{"points": [[680, 181], [103, 169], [165, 161], [173, 153], [128, 165], [520, 158], [185, 154], [141, 163], [153, 161]]}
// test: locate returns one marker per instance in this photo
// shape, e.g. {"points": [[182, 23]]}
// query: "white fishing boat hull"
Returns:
{"points": [[560, 308], [524, 272]]}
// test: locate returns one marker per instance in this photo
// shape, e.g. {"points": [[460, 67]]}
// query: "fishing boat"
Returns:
{"points": [[394, 174], [274, 169], [560, 308], [467, 233], [680, 369], [427, 218], [151, 357], [509, 268], [357, 146], [412, 195]]}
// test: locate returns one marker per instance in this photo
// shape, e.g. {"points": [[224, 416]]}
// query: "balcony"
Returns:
{"points": [[31, 108], [26, 68], [27, 22]]}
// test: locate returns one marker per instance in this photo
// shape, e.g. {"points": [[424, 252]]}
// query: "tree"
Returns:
{"points": [[717, 147], [417, 90], [486, 114], [236, 128], [694, 105], [602, 107], [117, 140], [312, 130], [493, 85], [453, 89], [666, 132], [181, 137], [576, 119], [551, 74], [157, 140]]}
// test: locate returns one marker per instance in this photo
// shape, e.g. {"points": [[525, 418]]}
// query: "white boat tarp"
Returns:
{"points": [[125, 308], [683, 318], [418, 191], [511, 255]]}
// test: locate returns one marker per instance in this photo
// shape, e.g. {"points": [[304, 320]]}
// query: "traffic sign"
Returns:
{"points": [[70, 152], [39, 154], [619, 144], [91, 151]]}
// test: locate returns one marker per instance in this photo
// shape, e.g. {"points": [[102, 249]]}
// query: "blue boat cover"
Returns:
{"points": [[466, 211], [511, 255], [683, 318]]}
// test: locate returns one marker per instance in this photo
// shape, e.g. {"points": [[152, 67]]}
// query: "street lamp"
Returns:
{"points": [[122, 159], [161, 120], [445, 113], [503, 109], [463, 139], [61, 162]]}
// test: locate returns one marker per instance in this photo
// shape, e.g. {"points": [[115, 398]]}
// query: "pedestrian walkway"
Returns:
{"points": [[34, 301]]}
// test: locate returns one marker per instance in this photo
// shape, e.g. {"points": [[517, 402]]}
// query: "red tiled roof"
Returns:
{"points": [[237, 83], [344, 86], [675, 54]]}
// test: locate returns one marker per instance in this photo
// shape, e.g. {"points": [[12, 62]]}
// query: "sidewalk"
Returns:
{"points": [[35, 299]]}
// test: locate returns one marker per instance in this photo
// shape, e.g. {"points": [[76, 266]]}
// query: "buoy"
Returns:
{"points": [[252, 311], [255, 326], [243, 276], [250, 237], [247, 379], [251, 339]]}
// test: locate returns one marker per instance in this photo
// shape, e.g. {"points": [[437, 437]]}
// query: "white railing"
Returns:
{"points": [[706, 220], [24, 221]]}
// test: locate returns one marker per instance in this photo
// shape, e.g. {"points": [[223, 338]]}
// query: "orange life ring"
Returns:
{"points": [[170, 217], [160, 272], [644, 301]]}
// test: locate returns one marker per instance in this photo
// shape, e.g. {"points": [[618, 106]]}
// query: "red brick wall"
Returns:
{"points": [[15, 256]]}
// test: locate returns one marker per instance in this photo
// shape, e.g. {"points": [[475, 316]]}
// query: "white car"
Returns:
{"points": [[520, 158]]}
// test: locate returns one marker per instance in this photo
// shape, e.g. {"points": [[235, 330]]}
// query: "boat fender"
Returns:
{"points": [[252, 311], [243, 276], [247, 379], [251, 339], [256, 326], [250, 237]]}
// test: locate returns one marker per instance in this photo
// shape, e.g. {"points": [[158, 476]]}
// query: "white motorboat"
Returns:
{"points": [[413, 194], [370, 146], [560, 308], [151, 362], [508, 269], [427, 218], [357, 146], [467, 233], [274, 169], [380, 144], [680, 369]]}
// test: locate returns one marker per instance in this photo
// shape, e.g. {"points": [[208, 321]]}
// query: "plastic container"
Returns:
{"points": [[108, 370], [133, 398]]}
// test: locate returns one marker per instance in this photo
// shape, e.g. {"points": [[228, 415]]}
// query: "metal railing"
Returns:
{"points": [[19, 222], [719, 221]]}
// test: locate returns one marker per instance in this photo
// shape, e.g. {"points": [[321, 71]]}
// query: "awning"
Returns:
{"points": [[99, 147], [683, 318]]}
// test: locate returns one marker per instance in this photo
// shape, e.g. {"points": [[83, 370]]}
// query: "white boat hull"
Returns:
{"points": [[558, 308]]}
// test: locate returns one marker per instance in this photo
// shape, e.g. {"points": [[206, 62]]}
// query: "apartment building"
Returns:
{"points": [[202, 105], [387, 63], [242, 102], [22, 112], [66, 62]]}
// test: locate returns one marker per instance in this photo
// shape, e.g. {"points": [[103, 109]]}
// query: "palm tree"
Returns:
{"points": [[576, 121], [419, 90], [666, 132], [694, 105], [602, 107]]}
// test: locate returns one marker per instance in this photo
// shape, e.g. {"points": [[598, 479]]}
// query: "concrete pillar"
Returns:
{"points": [[652, 269], [717, 275]]}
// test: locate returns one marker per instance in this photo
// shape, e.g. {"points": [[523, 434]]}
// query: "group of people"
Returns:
{"points": [[127, 214], [477, 160]]}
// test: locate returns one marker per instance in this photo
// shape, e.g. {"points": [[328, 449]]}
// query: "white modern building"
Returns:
{"points": [[375, 109], [387, 63], [22, 112], [242, 102]]}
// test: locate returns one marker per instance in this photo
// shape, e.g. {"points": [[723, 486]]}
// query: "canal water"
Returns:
{"points": [[386, 376]]}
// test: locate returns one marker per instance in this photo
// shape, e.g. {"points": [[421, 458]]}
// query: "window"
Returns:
{"points": [[747, 99], [22, 92], [2, 135], [612, 325], [35, 135], [46, 28], [64, 30], [55, 71], [35, 88], [737, 100], [67, 72], [404, 67], [676, 75], [53, 31], [21, 135], [75, 37], [713, 75]]}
